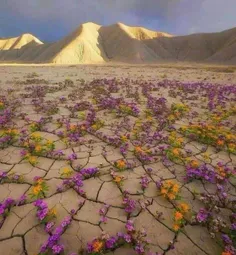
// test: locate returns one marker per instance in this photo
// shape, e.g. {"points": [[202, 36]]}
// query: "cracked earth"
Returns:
{"points": [[135, 166]]}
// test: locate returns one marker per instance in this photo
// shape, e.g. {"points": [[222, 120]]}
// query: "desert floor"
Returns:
{"points": [[140, 164]]}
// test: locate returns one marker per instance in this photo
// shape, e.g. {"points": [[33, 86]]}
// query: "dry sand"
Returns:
{"points": [[21, 234]]}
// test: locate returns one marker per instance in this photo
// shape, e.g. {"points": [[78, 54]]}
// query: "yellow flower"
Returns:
{"points": [[53, 211], [38, 148], [175, 188], [124, 138], [32, 160], [67, 171], [37, 189], [49, 142]]}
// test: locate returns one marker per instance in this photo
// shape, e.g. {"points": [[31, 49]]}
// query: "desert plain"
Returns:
{"points": [[117, 159]]}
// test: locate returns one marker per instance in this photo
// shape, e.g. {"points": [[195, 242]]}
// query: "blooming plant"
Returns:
{"points": [[179, 221], [169, 189], [118, 179], [120, 164], [217, 136], [39, 188]]}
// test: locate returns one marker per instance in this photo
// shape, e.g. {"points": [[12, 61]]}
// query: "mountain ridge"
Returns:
{"points": [[93, 43]]}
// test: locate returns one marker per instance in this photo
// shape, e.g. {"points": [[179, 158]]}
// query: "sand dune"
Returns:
{"points": [[92, 43]]}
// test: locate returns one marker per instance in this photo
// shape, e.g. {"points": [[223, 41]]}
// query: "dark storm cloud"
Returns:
{"points": [[52, 19]]}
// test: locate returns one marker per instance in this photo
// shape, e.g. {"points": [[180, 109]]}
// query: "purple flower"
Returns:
{"points": [[139, 249], [103, 219], [233, 226], [57, 249], [22, 200], [49, 226], [110, 242], [41, 214], [202, 215], [130, 205], [144, 182], [3, 175], [44, 247], [2, 210], [66, 221], [127, 238], [226, 239], [72, 157], [9, 201], [89, 247], [130, 226], [58, 230]]}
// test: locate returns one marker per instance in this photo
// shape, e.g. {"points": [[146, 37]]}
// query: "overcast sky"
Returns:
{"points": [[50, 20]]}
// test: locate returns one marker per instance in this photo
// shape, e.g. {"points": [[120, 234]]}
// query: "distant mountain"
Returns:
{"points": [[92, 43]]}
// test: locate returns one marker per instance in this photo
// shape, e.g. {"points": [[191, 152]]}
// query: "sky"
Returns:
{"points": [[50, 20]]}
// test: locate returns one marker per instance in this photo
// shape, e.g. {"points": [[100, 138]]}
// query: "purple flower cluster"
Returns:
{"points": [[144, 182], [52, 244], [202, 215], [42, 209], [129, 226], [111, 242], [72, 157], [89, 172], [6, 205], [130, 204], [203, 172], [103, 211]]}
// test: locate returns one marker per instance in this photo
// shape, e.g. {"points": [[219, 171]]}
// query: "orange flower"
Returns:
{"points": [[97, 245], [194, 163], [120, 163], [138, 149], [176, 227], [226, 253], [220, 142], [178, 216], [163, 191], [175, 151], [72, 127], [117, 179], [175, 188], [184, 207], [171, 196]]}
